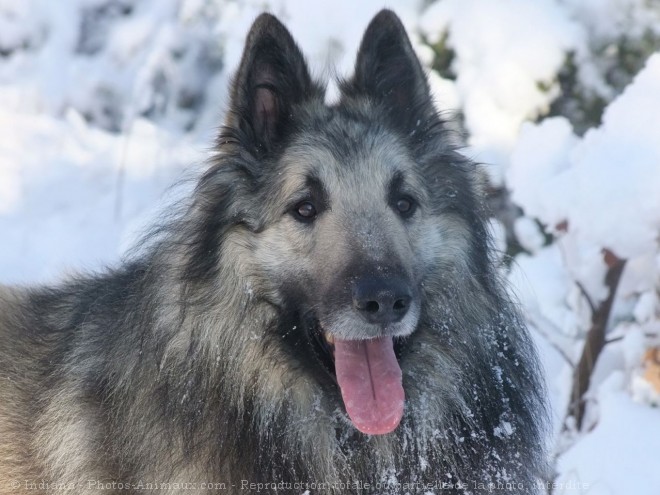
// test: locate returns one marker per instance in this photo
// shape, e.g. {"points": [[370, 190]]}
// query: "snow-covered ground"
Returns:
{"points": [[105, 104]]}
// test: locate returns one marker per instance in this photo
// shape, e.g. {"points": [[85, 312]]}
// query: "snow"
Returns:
{"points": [[105, 104], [505, 429], [63, 204], [606, 19], [599, 192], [498, 75], [616, 164], [535, 174], [626, 460], [542, 283], [645, 307], [528, 234]]}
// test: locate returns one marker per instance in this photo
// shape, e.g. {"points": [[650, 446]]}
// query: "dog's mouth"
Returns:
{"points": [[368, 375]]}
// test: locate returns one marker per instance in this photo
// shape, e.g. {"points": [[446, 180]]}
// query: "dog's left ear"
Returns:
{"points": [[388, 71], [271, 79]]}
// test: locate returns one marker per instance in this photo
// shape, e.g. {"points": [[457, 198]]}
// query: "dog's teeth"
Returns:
{"points": [[330, 339]]}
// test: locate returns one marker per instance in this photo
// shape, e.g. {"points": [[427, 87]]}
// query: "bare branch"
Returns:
{"points": [[538, 326], [595, 340], [648, 335], [586, 296]]}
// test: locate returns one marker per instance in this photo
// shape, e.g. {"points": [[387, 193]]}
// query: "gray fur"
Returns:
{"points": [[193, 361]]}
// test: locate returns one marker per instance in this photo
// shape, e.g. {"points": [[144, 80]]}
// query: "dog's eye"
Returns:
{"points": [[305, 211], [405, 206]]}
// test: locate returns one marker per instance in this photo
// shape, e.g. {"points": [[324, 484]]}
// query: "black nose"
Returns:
{"points": [[382, 301]]}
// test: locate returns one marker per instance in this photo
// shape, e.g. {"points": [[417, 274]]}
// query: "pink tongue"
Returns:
{"points": [[370, 381]]}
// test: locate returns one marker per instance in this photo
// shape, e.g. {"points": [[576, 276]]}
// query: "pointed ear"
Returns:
{"points": [[272, 78], [388, 71]]}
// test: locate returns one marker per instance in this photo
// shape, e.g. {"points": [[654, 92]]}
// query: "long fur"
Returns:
{"points": [[190, 363]]}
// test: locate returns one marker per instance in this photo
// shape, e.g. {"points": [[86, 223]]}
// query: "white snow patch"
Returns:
{"points": [[618, 455], [498, 74], [541, 283], [505, 429], [604, 185], [528, 234]]}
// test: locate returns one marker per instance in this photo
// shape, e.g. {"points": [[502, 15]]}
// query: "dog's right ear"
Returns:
{"points": [[271, 79]]}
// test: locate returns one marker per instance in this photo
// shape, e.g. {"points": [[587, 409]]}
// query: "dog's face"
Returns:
{"points": [[349, 233], [358, 211]]}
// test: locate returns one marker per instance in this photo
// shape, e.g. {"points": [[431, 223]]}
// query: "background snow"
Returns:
{"points": [[104, 104], [498, 75], [579, 181]]}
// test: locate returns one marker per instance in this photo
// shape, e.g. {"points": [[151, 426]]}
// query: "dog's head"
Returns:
{"points": [[354, 214]]}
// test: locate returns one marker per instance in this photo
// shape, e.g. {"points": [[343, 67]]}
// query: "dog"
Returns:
{"points": [[325, 315]]}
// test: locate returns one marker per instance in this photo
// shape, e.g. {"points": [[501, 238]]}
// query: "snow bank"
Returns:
{"points": [[500, 76], [605, 186], [71, 196], [619, 455]]}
